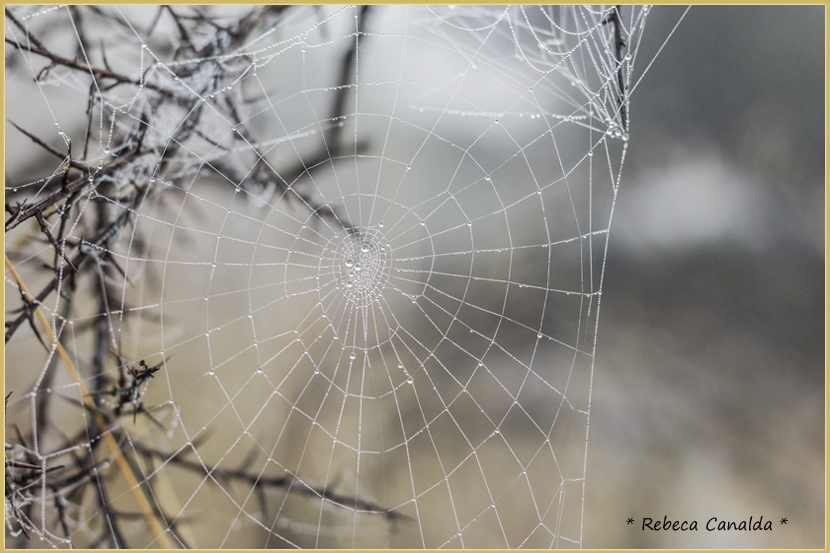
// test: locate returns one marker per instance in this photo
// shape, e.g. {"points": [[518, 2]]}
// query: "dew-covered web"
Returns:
{"points": [[310, 276]]}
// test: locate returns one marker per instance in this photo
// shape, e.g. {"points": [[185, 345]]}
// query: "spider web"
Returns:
{"points": [[363, 247]]}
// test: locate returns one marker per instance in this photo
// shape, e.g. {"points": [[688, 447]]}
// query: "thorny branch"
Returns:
{"points": [[34, 46], [615, 17], [86, 249], [96, 200], [275, 482], [29, 209]]}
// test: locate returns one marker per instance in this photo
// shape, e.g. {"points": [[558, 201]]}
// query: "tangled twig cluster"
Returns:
{"points": [[84, 209]]}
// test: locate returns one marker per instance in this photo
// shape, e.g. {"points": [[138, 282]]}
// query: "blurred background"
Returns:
{"points": [[709, 380], [708, 386]]}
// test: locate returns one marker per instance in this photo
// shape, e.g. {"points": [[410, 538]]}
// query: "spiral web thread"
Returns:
{"points": [[363, 247]]}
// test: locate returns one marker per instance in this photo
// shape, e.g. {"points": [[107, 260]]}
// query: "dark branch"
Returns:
{"points": [[615, 17], [54, 151], [288, 483]]}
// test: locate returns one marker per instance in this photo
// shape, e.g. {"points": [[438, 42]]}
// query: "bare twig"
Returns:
{"points": [[59, 250], [280, 482], [54, 151], [615, 17]]}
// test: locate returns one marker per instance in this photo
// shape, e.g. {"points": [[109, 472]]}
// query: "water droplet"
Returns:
{"points": [[487, 178], [152, 179], [106, 151], [211, 372], [423, 223], [380, 224], [259, 370], [364, 248], [352, 355], [349, 263], [316, 371], [539, 335], [408, 167], [90, 179], [400, 365], [591, 153], [628, 57], [358, 267], [409, 380]]}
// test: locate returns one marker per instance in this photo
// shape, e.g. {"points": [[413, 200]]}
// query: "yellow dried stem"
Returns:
{"points": [[123, 465]]}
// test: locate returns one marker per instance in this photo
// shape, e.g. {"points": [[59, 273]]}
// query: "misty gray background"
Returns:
{"points": [[708, 388], [709, 381]]}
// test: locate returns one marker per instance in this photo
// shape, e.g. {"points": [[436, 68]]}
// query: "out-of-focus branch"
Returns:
{"points": [[123, 465]]}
